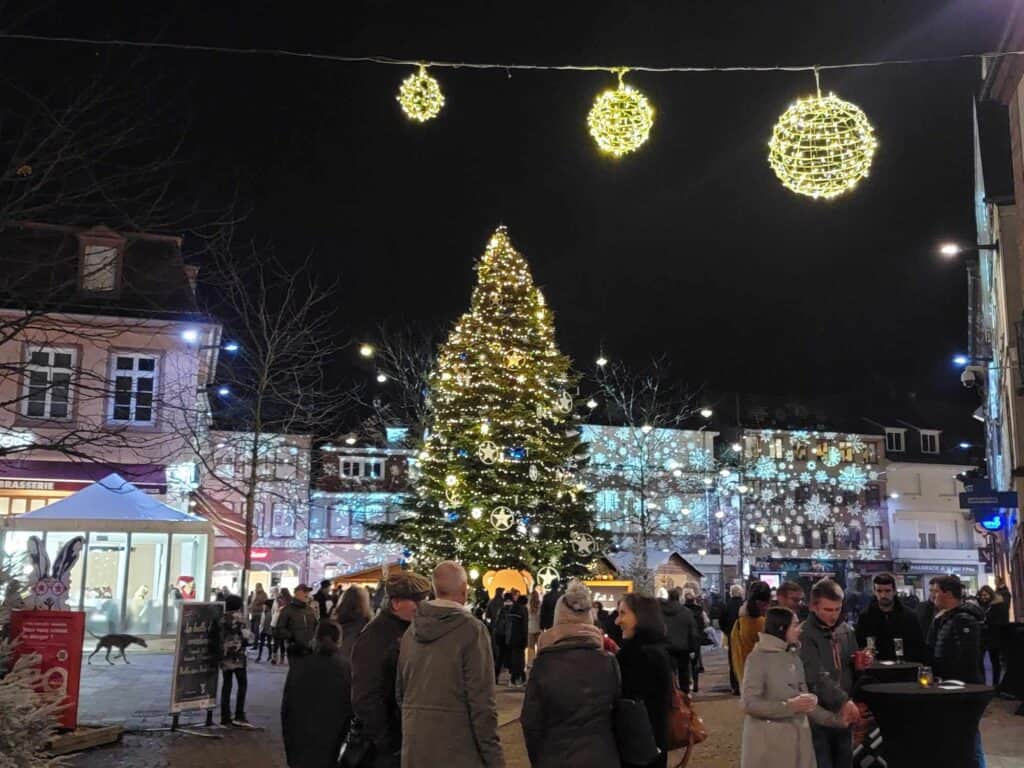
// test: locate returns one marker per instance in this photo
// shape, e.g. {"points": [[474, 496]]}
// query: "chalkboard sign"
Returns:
{"points": [[194, 683]]}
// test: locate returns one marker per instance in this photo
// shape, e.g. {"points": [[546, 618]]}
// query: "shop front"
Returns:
{"points": [[914, 576], [141, 560], [271, 567], [804, 571]]}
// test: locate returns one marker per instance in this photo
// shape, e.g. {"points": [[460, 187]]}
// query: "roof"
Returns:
{"points": [[41, 264], [111, 499], [655, 558]]}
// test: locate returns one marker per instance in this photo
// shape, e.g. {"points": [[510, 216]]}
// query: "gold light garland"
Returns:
{"points": [[822, 146], [420, 96], [620, 120]]}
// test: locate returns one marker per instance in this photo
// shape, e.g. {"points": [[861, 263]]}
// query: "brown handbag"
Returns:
{"points": [[685, 726]]}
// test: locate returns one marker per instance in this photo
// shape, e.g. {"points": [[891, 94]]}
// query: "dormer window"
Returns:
{"points": [[100, 262], [895, 440], [929, 441]]}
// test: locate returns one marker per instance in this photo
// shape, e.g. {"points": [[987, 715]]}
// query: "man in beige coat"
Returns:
{"points": [[445, 682]]}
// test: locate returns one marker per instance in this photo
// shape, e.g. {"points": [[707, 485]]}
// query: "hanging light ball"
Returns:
{"points": [[621, 119], [420, 96], [822, 146]]}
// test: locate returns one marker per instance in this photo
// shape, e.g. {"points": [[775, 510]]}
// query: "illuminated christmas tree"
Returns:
{"points": [[497, 473]]}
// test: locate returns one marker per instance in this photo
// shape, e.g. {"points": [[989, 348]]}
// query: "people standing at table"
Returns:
{"points": [[645, 664], [748, 624], [954, 643], [827, 647], [775, 694], [374, 665], [567, 712], [445, 681], [997, 618], [683, 635], [887, 619]]}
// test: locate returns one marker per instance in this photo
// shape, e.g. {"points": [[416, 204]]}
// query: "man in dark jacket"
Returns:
{"points": [[954, 643], [296, 624], [826, 646], [683, 636], [374, 664], [445, 682], [886, 619], [547, 606]]}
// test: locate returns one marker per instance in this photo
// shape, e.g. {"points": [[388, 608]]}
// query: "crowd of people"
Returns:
{"points": [[406, 675]]}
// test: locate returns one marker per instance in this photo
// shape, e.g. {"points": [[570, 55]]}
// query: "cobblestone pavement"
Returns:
{"points": [[137, 696]]}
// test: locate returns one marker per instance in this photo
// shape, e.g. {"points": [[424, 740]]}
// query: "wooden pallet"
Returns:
{"points": [[84, 737]]}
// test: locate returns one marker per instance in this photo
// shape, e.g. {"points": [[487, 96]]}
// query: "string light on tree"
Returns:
{"points": [[620, 120], [420, 96], [822, 146]]}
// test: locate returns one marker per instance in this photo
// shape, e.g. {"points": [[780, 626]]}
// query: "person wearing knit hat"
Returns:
{"points": [[375, 663], [572, 689]]}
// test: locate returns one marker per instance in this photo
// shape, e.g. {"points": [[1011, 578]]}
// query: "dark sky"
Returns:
{"points": [[689, 248]]}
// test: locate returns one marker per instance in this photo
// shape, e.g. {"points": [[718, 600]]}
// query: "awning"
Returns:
{"points": [[37, 475], [225, 520]]}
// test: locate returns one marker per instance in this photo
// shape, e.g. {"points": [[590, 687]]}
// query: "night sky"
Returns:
{"points": [[689, 248]]}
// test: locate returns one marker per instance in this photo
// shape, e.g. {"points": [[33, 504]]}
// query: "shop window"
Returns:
{"points": [[106, 566], [48, 376], [134, 389], [147, 577], [188, 566]]}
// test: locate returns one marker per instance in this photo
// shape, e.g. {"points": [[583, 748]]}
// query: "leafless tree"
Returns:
{"points": [[276, 385], [401, 361]]}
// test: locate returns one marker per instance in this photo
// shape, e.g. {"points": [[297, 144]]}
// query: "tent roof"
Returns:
{"points": [[113, 498], [655, 558]]}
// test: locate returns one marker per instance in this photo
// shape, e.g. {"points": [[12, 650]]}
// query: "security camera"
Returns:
{"points": [[972, 376]]}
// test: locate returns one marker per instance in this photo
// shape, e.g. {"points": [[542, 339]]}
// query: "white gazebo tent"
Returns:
{"points": [[141, 559]]}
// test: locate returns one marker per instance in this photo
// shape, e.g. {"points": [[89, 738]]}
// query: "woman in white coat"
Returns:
{"points": [[776, 732]]}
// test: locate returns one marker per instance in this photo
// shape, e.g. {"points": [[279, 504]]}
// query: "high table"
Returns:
{"points": [[888, 672], [927, 726]]}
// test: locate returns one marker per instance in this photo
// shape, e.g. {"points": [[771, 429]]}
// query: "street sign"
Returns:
{"points": [[979, 494]]}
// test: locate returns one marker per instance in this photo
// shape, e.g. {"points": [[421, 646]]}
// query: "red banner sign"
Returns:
{"points": [[57, 637]]}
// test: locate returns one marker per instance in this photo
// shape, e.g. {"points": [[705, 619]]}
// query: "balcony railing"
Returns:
{"points": [[901, 544]]}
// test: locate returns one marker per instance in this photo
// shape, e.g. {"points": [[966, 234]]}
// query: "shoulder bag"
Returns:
{"points": [[685, 727]]}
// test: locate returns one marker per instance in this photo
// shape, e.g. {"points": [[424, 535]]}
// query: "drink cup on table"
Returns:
{"points": [[897, 644]]}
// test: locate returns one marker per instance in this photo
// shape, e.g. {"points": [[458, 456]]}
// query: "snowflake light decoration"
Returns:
{"points": [[872, 518], [857, 444], [800, 437], [700, 459], [805, 478], [821, 476], [764, 469], [868, 553], [816, 510], [789, 503], [812, 465], [833, 457], [821, 554], [853, 478]]}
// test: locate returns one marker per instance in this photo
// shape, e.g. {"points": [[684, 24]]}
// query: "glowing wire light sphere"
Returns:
{"points": [[620, 120], [420, 96], [822, 146]]}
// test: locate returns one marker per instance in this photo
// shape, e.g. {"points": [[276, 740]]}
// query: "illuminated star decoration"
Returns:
{"points": [[546, 575], [502, 518], [488, 452], [583, 543]]}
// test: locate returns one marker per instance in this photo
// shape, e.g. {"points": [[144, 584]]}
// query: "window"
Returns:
{"points": [[894, 440], [929, 441], [134, 388], [317, 522], [926, 541], [100, 263], [873, 537], [371, 469], [48, 383], [283, 524]]}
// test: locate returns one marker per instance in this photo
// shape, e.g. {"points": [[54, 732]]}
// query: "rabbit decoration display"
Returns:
{"points": [[48, 590]]}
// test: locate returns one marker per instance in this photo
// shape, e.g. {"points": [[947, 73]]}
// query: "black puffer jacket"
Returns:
{"points": [[316, 709], [683, 634], [884, 626], [955, 644], [297, 624], [997, 618], [647, 676], [567, 711]]}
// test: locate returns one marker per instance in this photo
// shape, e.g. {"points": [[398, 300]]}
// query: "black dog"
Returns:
{"points": [[115, 641]]}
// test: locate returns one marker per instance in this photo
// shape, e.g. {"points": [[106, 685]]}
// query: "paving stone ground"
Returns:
{"points": [[137, 697]]}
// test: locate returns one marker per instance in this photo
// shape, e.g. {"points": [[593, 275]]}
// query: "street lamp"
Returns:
{"points": [[646, 429], [601, 361], [381, 378], [736, 447], [591, 403], [702, 551], [951, 250], [706, 412], [366, 350]]}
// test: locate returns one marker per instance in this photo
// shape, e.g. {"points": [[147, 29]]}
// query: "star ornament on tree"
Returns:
{"points": [[502, 518], [582, 543], [488, 452], [546, 575]]}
